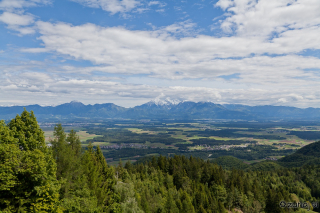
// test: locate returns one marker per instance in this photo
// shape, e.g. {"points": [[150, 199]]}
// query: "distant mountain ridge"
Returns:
{"points": [[166, 109]]}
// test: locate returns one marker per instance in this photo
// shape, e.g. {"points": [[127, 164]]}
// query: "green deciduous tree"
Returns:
{"points": [[25, 128]]}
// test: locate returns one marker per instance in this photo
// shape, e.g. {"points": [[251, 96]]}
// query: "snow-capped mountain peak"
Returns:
{"points": [[159, 101]]}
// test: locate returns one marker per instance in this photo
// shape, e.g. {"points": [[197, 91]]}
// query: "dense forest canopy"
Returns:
{"points": [[69, 178]]}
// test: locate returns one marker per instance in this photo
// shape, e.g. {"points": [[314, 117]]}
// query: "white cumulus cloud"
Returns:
{"points": [[20, 4], [16, 19], [264, 17], [18, 22], [112, 6]]}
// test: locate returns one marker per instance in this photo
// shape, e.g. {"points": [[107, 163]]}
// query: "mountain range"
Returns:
{"points": [[165, 109]]}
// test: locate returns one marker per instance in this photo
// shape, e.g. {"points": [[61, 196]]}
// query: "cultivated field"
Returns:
{"points": [[250, 142]]}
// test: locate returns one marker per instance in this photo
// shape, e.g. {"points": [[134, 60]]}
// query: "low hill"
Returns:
{"points": [[229, 162], [264, 166], [307, 155]]}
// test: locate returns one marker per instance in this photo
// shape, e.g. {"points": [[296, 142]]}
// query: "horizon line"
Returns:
{"points": [[222, 104]]}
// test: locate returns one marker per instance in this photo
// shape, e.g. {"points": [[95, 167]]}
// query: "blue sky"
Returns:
{"points": [[263, 52]]}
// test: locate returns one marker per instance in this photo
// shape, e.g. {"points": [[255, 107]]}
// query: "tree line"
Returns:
{"points": [[63, 178]]}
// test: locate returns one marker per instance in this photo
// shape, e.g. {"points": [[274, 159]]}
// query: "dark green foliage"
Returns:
{"points": [[307, 155], [201, 186], [128, 153], [246, 153], [307, 135], [87, 181], [229, 162], [265, 166], [312, 149]]}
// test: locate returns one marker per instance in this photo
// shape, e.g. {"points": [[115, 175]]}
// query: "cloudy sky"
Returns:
{"points": [[128, 52]]}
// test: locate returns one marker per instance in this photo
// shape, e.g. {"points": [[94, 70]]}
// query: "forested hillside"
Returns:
{"points": [[68, 178], [308, 155]]}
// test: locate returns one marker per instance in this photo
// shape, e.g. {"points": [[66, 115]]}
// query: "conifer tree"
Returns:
{"points": [[106, 180], [144, 203], [128, 166], [75, 193], [202, 210], [73, 141], [170, 205], [186, 203], [25, 128], [27, 170], [60, 152], [221, 207]]}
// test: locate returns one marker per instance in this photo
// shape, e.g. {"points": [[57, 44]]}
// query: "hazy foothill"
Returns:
{"points": [[167, 109]]}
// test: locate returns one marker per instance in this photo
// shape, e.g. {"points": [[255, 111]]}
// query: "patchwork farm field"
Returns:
{"points": [[83, 136], [251, 142]]}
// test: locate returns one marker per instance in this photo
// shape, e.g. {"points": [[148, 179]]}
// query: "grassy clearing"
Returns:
{"points": [[197, 147], [187, 142], [225, 139], [305, 142], [83, 135], [253, 161], [277, 157], [161, 145], [100, 144], [183, 128], [153, 154], [180, 137], [172, 147], [252, 133], [140, 131], [185, 138], [48, 136], [290, 140], [135, 130]]}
